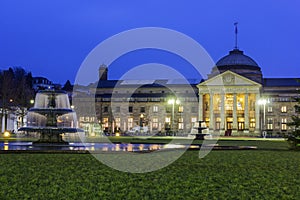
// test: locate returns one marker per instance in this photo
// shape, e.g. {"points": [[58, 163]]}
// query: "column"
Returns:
{"points": [[246, 112], [234, 114], [257, 112], [3, 123], [200, 109], [222, 112], [211, 112]]}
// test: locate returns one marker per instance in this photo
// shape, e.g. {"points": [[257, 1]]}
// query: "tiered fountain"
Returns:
{"points": [[50, 117]]}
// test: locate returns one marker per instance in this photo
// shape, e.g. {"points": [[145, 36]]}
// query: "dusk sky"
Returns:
{"points": [[52, 38]]}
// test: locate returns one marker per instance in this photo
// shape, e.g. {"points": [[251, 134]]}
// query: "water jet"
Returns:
{"points": [[51, 117]]}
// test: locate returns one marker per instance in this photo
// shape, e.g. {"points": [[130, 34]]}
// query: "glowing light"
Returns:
{"points": [[6, 134], [171, 101]]}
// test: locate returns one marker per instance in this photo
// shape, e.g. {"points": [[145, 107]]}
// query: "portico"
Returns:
{"points": [[228, 102]]}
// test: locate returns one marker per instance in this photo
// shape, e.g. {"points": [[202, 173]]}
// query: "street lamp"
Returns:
{"points": [[263, 102], [141, 120], [173, 102]]}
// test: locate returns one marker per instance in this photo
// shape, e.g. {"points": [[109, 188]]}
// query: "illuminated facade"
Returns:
{"points": [[235, 99]]}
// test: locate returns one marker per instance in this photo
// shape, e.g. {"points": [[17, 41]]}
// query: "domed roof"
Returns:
{"points": [[239, 63], [236, 57]]}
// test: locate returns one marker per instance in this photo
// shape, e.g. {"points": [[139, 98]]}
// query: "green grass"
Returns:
{"points": [[271, 172]]}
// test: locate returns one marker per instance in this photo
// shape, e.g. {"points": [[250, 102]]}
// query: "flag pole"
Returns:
{"points": [[236, 32]]}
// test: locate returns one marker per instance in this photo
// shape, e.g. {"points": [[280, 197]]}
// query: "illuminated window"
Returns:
{"points": [[155, 108], [270, 126], [105, 122], [92, 119], [270, 109], [155, 123], [252, 123], [207, 122], [283, 109], [283, 127], [229, 102], [270, 123], [180, 109], [283, 124], [168, 119], [240, 102], [130, 122], [180, 123], [241, 123]]}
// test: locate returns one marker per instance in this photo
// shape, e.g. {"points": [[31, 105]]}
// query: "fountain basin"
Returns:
{"points": [[51, 117]]}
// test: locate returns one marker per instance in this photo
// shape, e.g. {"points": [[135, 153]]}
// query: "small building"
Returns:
{"points": [[41, 83]]}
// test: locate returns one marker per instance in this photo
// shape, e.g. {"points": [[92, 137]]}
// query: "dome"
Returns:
{"points": [[236, 57], [239, 63]]}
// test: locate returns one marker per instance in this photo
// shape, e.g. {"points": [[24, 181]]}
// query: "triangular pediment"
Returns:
{"points": [[229, 78]]}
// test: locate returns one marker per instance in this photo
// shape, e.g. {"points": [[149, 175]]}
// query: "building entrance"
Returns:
{"points": [[229, 126]]}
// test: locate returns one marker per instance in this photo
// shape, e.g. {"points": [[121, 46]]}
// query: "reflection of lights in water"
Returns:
{"points": [[129, 147], [154, 147], [100, 147], [141, 147], [105, 149], [5, 147], [173, 146], [117, 147]]}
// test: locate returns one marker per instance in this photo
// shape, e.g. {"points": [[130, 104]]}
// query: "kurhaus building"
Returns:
{"points": [[235, 99]]}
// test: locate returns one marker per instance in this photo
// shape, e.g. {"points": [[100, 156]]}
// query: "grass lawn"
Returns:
{"points": [[271, 172]]}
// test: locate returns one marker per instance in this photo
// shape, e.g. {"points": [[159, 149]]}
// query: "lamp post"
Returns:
{"points": [[173, 102], [141, 122], [263, 102]]}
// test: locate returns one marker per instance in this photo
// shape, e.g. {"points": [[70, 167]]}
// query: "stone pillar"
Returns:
{"points": [[234, 114], [211, 112], [200, 109], [246, 113], [257, 114], [222, 113]]}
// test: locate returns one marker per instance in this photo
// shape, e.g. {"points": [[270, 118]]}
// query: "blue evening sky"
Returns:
{"points": [[51, 38]]}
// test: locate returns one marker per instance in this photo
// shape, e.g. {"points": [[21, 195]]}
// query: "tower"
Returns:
{"points": [[103, 72]]}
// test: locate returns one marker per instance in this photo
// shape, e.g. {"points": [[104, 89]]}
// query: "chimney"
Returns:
{"points": [[103, 71]]}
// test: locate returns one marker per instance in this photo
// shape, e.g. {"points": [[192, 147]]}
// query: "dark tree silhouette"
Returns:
{"points": [[293, 138], [68, 86], [15, 91]]}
